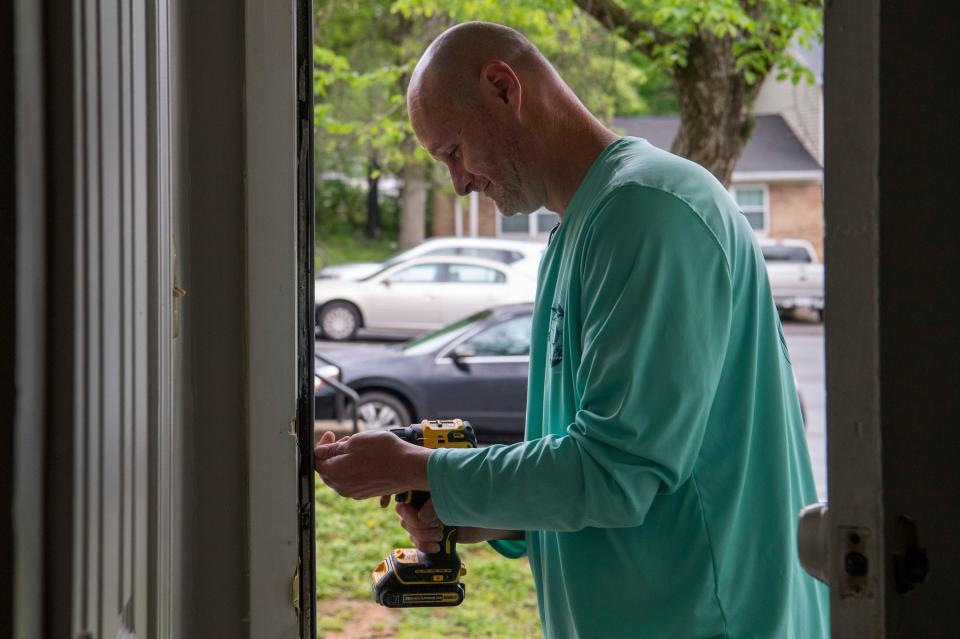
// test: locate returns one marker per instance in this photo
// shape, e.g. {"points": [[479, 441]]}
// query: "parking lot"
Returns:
{"points": [[805, 342]]}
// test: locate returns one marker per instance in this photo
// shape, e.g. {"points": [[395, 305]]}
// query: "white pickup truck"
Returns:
{"points": [[796, 276]]}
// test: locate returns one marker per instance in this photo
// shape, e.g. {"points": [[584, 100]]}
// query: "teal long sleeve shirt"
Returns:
{"points": [[665, 462]]}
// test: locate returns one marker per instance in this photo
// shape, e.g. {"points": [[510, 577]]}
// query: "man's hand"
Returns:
{"points": [[371, 464], [424, 528]]}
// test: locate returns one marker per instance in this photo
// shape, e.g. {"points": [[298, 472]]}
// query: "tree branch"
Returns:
{"points": [[642, 36]]}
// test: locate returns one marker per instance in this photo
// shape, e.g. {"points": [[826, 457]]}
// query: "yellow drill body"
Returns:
{"points": [[407, 577]]}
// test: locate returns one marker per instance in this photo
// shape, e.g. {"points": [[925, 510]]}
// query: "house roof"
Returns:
{"points": [[773, 148]]}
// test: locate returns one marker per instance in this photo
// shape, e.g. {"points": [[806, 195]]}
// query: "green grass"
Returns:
{"points": [[350, 247], [353, 536]]}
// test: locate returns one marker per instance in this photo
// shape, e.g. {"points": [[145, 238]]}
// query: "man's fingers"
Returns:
{"points": [[428, 548], [428, 515], [323, 451], [425, 517], [327, 438], [422, 534]]}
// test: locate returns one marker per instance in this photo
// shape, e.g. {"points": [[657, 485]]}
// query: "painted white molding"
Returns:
{"points": [[271, 306], [166, 396], [854, 350]]}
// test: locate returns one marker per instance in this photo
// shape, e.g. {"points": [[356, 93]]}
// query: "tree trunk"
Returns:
{"points": [[715, 104], [414, 204], [374, 220]]}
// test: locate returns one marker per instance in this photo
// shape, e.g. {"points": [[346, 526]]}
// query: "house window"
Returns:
{"points": [[514, 225], [754, 203], [536, 224]]}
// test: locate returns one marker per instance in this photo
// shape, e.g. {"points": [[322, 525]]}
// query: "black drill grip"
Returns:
{"points": [[417, 498], [440, 434]]}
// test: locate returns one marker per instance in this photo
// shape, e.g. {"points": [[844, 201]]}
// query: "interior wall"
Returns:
{"points": [[195, 555], [142, 199], [108, 325]]}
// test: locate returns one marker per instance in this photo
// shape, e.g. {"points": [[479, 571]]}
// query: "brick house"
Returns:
{"points": [[777, 182]]}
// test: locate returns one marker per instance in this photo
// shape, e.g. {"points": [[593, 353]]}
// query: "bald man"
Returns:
{"points": [[665, 462]]}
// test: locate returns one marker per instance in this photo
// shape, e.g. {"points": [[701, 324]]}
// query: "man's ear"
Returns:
{"points": [[499, 82]]}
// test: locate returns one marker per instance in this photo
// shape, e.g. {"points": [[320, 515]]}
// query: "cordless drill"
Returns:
{"points": [[409, 578]]}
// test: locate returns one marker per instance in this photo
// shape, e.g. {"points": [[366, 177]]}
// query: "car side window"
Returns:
{"points": [[779, 253], [508, 338], [419, 274], [473, 274]]}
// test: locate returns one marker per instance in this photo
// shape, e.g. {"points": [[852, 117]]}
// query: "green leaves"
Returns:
{"points": [[758, 33], [365, 51]]}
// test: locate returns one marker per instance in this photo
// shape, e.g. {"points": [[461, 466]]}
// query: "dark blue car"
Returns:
{"points": [[474, 369]]}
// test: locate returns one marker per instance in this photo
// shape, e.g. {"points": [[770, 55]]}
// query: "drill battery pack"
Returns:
{"points": [[407, 577]]}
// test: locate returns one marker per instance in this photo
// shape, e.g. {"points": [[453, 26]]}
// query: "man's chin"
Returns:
{"points": [[509, 209]]}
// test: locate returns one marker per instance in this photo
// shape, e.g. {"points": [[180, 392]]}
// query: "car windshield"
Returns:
{"points": [[433, 341], [390, 261], [377, 272], [783, 253], [398, 257]]}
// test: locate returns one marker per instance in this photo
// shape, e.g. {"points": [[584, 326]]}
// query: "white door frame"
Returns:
{"points": [[271, 308]]}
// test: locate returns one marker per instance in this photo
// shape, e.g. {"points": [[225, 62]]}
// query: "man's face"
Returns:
{"points": [[481, 151]]}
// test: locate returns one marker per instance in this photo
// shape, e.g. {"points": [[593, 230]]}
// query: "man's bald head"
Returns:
{"points": [[453, 62], [485, 102]]}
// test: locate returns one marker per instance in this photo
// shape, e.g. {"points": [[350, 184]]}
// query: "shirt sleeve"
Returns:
{"points": [[654, 311], [510, 548]]}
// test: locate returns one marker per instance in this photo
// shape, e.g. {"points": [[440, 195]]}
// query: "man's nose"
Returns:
{"points": [[461, 180]]}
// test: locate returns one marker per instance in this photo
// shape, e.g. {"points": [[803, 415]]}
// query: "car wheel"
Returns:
{"points": [[380, 411], [339, 321]]}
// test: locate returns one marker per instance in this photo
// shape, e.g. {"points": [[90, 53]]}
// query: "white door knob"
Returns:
{"points": [[813, 542]]}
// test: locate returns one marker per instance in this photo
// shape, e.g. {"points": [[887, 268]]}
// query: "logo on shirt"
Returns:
{"points": [[556, 335]]}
